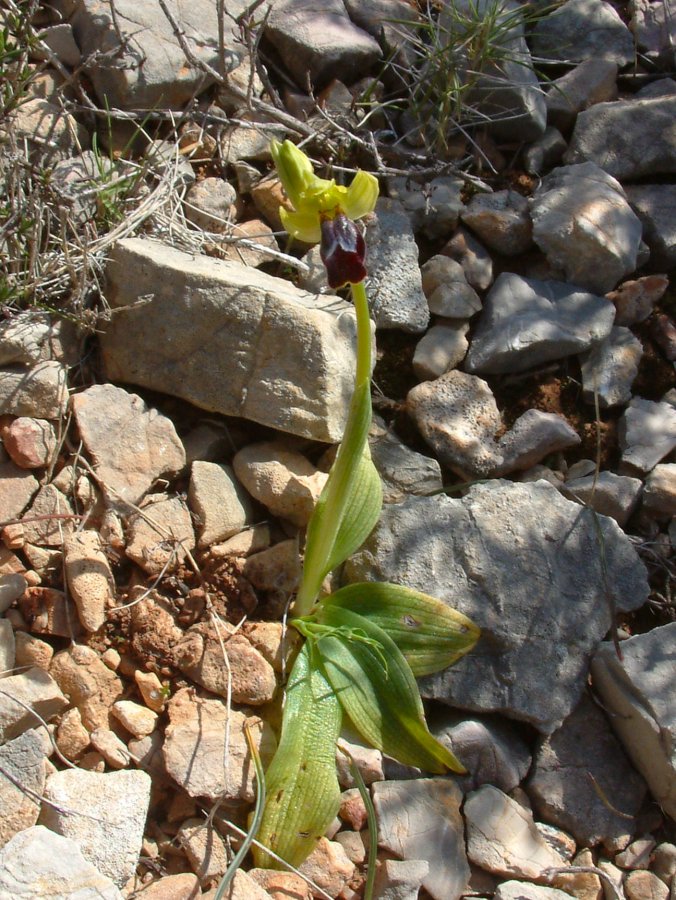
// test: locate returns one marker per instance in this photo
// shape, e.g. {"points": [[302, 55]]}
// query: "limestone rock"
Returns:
{"points": [[402, 471], [647, 433], [320, 41], [131, 446], [276, 569], [545, 153], [393, 283], [420, 819], [22, 779], [113, 805], [51, 134], [89, 577], [48, 517], [489, 555], [526, 322], [195, 742], [111, 748], [592, 81], [281, 479], [475, 260], [654, 204], [159, 537], [254, 346], [447, 289], [659, 493], [88, 683], [138, 720], [583, 29], [432, 208], [218, 501], [17, 487], [400, 879], [534, 436], [30, 442], [560, 783], [637, 693], [442, 348], [458, 417], [173, 887], [520, 890], [38, 864], [208, 204], [629, 139], [642, 885], [7, 648], [142, 64], [204, 848], [41, 391], [501, 220], [609, 368], [250, 677], [609, 494], [585, 226], [635, 299], [328, 866], [31, 690], [502, 837]]}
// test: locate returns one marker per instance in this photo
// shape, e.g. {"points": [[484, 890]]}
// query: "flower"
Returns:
{"points": [[316, 200]]}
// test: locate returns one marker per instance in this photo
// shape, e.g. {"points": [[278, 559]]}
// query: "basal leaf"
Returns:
{"points": [[430, 634], [303, 794], [377, 690]]}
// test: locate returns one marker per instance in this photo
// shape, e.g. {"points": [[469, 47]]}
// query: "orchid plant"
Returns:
{"points": [[365, 643]]}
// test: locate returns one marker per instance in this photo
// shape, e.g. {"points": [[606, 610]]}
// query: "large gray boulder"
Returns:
{"points": [[638, 693], [229, 339], [528, 567], [526, 322], [585, 226], [628, 139], [134, 59]]}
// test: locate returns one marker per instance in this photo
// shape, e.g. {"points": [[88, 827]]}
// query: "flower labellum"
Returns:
{"points": [[342, 251]]}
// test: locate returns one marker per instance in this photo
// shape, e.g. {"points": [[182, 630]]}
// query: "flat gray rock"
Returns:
{"points": [[320, 41], [22, 779], [447, 290], [647, 433], [655, 205], [143, 65], [628, 139], [420, 819], [433, 207], [38, 864], [40, 391], [611, 495], [583, 29], [526, 322], [638, 692], [561, 787], [503, 838], [610, 367], [525, 564], [441, 348], [458, 417], [229, 339], [523, 890], [490, 748], [534, 436], [130, 445], [394, 284], [402, 471], [113, 807], [585, 227], [593, 81], [33, 689]]}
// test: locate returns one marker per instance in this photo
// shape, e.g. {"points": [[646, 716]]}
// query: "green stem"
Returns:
{"points": [[343, 472]]}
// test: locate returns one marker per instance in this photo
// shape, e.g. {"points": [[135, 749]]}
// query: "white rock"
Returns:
{"points": [[89, 577], [502, 837], [137, 719], [420, 819], [22, 771], [659, 492], [609, 368], [38, 864], [609, 494], [7, 648], [638, 694], [41, 391], [442, 348], [447, 290], [283, 480], [400, 879], [219, 502], [195, 743], [534, 436], [31, 690], [130, 445], [111, 748], [113, 808], [647, 433], [520, 890]]}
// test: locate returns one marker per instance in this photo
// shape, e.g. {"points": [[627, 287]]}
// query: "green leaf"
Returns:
{"points": [[430, 634], [348, 507], [303, 794], [378, 692]]}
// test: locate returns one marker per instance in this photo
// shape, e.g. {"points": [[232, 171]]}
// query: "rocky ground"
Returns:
{"points": [[174, 375]]}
